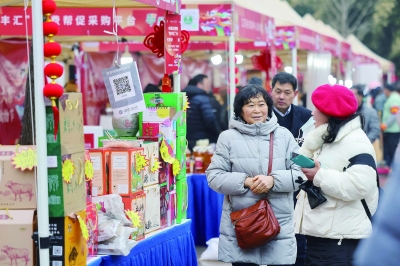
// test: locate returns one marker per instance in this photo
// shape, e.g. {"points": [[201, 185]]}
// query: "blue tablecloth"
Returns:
{"points": [[204, 209], [173, 246]]}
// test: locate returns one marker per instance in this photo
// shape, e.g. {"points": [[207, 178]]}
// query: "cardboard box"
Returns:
{"points": [[93, 228], [16, 244], [175, 100], [164, 173], [17, 188], [99, 158], [158, 114], [152, 211], [137, 203], [163, 205], [171, 208], [70, 137], [152, 153], [66, 198], [182, 200], [100, 140], [124, 180], [68, 247]]}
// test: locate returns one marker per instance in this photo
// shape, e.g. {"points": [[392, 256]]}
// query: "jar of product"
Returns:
{"points": [[198, 156]]}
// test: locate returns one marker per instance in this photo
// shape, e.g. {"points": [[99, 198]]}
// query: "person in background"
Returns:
{"points": [[255, 80], [201, 120], [291, 117], [222, 98], [151, 88], [391, 130], [371, 122], [378, 97], [239, 169], [382, 247], [333, 229]]}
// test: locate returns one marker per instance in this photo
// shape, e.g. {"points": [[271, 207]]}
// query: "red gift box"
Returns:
{"points": [[150, 129], [163, 206]]}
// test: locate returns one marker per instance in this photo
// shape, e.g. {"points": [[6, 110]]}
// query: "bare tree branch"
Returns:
{"points": [[336, 4], [363, 30], [365, 12]]}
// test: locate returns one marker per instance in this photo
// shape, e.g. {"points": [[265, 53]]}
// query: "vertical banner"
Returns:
{"points": [[172, 43], [13, 74]]}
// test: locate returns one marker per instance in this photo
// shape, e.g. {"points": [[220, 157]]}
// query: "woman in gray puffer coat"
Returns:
{"points": [[239, 169]]}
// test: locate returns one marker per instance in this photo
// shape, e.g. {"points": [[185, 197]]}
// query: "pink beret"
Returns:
{"points": [[336, 101]]}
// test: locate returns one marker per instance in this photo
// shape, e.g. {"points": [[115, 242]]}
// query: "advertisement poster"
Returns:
{"points": [[285, 38], [172, 43], [124, 89], [190, 19], [253, 26]]}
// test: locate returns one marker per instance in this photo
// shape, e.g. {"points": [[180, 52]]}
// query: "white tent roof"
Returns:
{"points": [[283, 13], [322, 28], [359, 48]]}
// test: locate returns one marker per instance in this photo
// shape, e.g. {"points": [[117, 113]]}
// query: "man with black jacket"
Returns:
{"points": [[201, 120], [292, 117]]}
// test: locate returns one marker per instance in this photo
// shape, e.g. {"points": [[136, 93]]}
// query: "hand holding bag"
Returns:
{"points": [[256, 225]]}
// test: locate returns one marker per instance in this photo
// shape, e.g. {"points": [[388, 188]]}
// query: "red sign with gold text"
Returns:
{"points": [[172, 43]]}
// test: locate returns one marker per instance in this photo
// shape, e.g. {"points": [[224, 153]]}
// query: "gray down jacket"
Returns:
{"points": [[244, 150]]}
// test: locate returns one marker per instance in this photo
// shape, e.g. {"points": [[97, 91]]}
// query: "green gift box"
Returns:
{"points": [[182, 200], [181, 145], [181, 125], [175, 100]]}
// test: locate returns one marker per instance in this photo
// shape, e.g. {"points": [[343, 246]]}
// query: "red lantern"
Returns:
{"points": [[236, 70], [54, 91], [166, 84], [50, 28], [236, 81], [48, 6], [53, 70], [52, 50]]}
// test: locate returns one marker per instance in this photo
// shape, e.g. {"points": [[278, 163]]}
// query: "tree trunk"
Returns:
{"points": [[29, 110]]}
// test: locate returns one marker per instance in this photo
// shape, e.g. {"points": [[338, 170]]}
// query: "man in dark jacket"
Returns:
{"points": [[201, 120], [292, 117]]}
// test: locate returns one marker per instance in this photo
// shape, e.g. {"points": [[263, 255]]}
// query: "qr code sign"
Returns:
{"points": [[57, 251], [122, 85]]}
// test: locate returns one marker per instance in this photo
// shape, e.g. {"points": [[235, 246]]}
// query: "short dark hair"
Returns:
{"points": [[151, 88], [389, 87], [248, 92], [171, 77], [359, 89], [335, 124], [197, 79], [284, 78]]}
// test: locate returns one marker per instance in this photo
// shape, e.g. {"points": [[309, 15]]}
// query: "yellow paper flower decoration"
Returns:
{"points": [[165, 154], [89, 170], [83, 226], [176, 167], [141, 162], [68, 169], [25, 159], [186, 104], [134, 217], [155, 166]]}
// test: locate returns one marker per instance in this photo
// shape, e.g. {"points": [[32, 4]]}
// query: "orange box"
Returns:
{"points": [[124, 180], [16, 244], [68, 247], [137, 203], [100, 159]]}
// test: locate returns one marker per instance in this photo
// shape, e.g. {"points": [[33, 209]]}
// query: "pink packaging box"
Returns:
{"points": [[150, 129], [171, 208], [163, 206], [92, 225]]}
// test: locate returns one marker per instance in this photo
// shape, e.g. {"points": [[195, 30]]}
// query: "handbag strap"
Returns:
{"points": [[271, 151]]}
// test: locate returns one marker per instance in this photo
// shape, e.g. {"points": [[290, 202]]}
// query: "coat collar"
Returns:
{"points": [[255, 129], [348, 127]]}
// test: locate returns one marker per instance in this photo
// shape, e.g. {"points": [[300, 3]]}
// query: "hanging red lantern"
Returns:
{"points": [[48, 7], [236, 70], [52, 50], [53, 70], [166, 84], [50, 28]]}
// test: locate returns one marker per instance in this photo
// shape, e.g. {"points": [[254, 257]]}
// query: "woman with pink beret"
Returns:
{"points": [[345, 174]]}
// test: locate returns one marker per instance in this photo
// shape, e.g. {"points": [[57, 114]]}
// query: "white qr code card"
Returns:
{"points": [[124, 89]]}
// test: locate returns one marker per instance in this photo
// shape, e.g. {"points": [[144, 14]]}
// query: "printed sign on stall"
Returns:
{"points": [[190, 19], [124, 89], [172, 43]]}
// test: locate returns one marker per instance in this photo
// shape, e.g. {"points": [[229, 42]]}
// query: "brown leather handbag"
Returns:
{"points": [[257, 224]]}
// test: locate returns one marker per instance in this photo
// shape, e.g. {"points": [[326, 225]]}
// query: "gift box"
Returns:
{"points": [[158, 114], [152, 210], [151, 171], [106, 138], [175, 100], [16, 244], [99, 158], [181, 146], [150, 129], [163, 206], [70, 137], [137, 203], [181, 124], [17, 187], [182, 200], [126, 166], [171, 207], [66, 185], [67, 245], [164, 173], [93, 229]]}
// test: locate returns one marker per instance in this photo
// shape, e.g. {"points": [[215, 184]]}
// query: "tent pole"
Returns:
{"points": [[294, 70], [232, 87], [41, 141], [177, 82]]}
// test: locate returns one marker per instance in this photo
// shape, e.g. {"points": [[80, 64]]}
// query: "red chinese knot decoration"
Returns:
{"points": [[53, 70]]}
